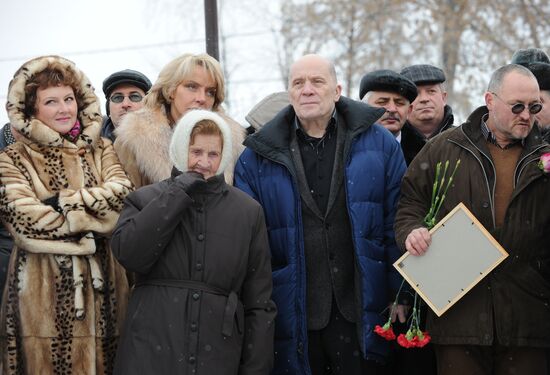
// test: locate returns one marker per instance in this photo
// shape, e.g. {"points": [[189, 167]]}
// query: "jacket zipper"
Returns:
{"points": [[300, 343], [518, 174], [490, 191]]}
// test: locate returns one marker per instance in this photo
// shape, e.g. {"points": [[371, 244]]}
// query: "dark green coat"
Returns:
{"points": [[513, 301]]}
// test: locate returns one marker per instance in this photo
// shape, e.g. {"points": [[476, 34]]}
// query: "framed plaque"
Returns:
{"points": [[461, 254]]}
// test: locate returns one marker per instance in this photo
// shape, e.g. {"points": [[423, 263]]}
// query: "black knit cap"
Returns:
{"points": [[127, 76], [387, 80], [541, 71], [424, 74], [529, 55]]}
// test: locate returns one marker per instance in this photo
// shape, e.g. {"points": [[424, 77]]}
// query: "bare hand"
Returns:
{"points": [[399, 311], [418, 241]]}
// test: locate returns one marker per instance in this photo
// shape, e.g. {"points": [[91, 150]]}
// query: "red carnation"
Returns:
{"points": [[404, 342], [423, 338], [386, 331]]}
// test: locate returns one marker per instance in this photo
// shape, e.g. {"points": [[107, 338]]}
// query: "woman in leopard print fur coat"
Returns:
{"points": [[61, 191]]}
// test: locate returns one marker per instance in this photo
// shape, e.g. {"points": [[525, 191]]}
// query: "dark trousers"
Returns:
{"points": [[411, 361], [335, 350], [489, 360]]}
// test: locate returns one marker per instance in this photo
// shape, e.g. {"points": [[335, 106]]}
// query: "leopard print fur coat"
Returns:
{"points": [[65, 296]]}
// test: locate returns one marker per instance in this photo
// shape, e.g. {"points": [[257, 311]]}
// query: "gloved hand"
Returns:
{"points": [[53, 201], [190, 181]]}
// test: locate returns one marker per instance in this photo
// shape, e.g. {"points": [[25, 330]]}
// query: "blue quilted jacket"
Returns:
{"points": [[374, 166]]}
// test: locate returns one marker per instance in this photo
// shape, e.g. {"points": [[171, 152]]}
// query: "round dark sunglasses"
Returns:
{"points": [[119, 98], [520, 107]]}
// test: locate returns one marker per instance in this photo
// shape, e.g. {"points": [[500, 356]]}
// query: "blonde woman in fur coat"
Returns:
{"points": [[61, 191], [143, 137]]}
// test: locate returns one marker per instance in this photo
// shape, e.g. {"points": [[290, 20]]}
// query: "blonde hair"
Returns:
{"points": [[178, 70]]}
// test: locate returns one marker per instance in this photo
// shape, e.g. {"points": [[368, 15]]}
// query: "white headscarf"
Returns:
{"points": [[179, 146]]}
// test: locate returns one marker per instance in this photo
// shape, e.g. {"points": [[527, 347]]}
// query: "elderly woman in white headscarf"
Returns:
{"points": [[202, 302]]}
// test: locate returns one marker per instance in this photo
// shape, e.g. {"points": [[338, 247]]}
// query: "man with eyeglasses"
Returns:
{"points": [[124, 91], [501, 325]]}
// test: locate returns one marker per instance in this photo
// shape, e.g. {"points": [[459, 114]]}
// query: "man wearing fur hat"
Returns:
{"points": [[430, 113], [124, 91], [328, 179], [526, 56], [389, 90], [541, 71]]}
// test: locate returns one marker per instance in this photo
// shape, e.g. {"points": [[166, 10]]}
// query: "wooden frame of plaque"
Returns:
{"points": [[462, 253]]}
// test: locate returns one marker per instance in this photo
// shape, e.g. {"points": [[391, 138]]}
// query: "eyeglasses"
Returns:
{"points": [[520, 107], [119, 98]]}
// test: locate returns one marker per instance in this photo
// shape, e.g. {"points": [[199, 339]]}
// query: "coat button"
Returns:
{"points": [[199, 209], [196, 296], [485, 204], [192, 359], [300, 348], [198, 266], [194, 327], [200, 237]]}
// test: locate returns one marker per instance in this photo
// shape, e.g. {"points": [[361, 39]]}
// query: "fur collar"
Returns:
{"points": [[36, 131], [147, 134]]}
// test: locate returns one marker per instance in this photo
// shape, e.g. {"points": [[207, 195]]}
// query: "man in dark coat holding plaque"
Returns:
{"points": [[501, 325]]}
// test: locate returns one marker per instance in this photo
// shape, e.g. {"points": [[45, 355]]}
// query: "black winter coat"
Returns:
{"points": [[412, 141], [202, 302]]}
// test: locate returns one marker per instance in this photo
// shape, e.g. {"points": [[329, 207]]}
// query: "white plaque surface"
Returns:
{"points": [[461, 254]]}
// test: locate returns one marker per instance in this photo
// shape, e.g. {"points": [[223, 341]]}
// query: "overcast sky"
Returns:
{"points": [[103, 36]]}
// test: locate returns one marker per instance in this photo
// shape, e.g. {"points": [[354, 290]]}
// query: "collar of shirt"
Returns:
{"points": [[398, 137], [490, 137], [331, 127]]}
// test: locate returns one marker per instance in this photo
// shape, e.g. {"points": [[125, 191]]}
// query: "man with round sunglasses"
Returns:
{"points": [[501, 325], [124, 91]]}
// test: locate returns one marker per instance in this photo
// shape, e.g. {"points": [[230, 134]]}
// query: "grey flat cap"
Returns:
{"points": [[423, 74]]}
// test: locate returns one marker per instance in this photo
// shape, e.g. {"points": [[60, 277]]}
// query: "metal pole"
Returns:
{"points": [[211, 28]]}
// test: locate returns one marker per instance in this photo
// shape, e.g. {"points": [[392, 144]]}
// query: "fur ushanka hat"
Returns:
{"points": [[179, 146]]}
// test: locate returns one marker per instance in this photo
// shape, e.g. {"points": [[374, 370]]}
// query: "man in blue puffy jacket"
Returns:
{"points": [[328, 179]]}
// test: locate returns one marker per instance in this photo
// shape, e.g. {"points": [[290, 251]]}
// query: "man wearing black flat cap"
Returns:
{"points": [[430, 113], [541, 71], [124, 91], [389, 90]]}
